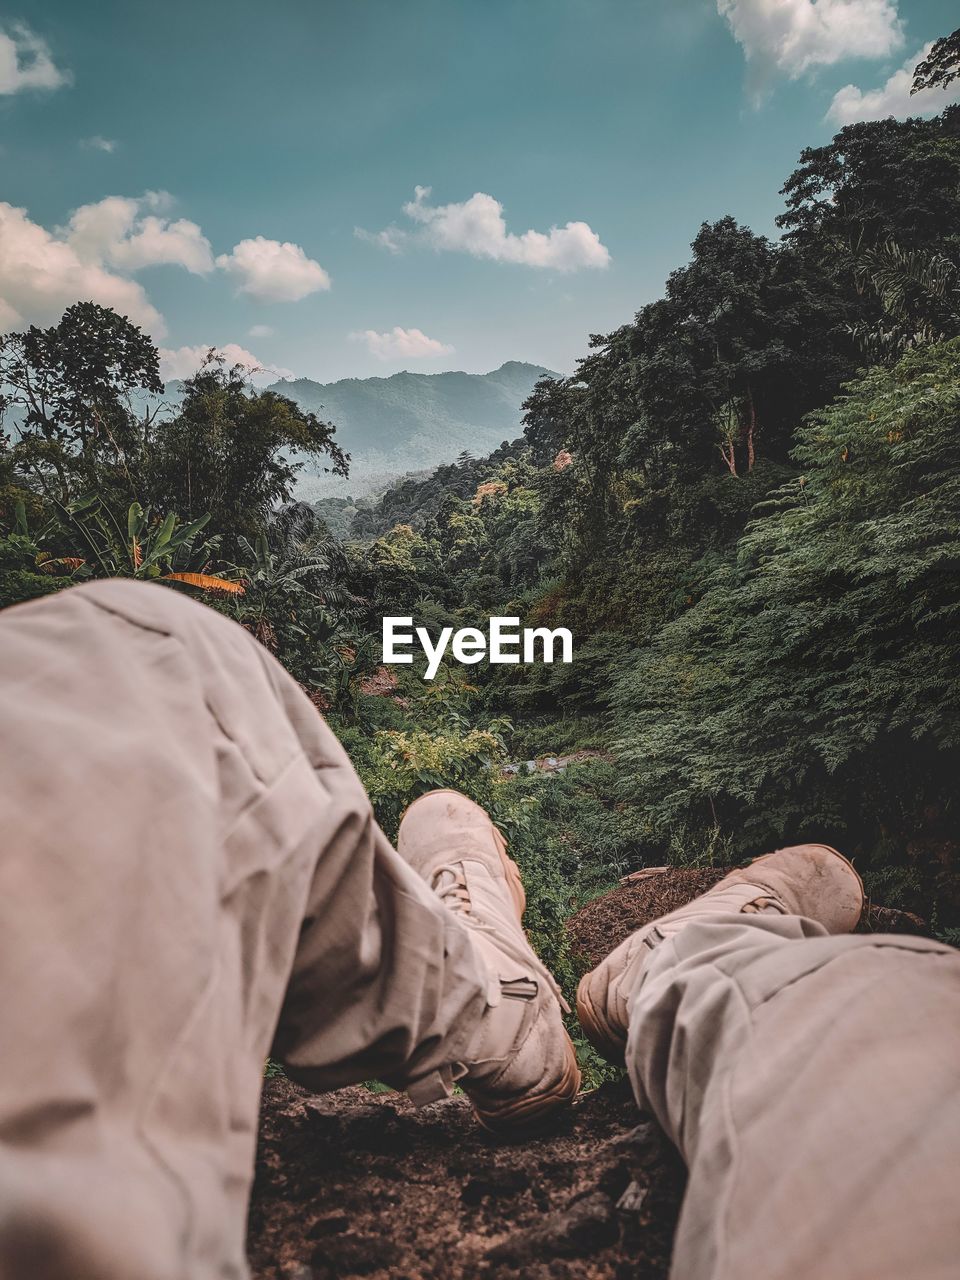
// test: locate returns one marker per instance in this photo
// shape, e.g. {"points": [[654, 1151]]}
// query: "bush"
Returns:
{"points": [[814, 690]]}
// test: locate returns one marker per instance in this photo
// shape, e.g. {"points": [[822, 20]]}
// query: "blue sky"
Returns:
{"points": [[247, 174]]}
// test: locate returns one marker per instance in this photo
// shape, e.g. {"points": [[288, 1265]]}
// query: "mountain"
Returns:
{"points": [[411, 421], [391, 426]]}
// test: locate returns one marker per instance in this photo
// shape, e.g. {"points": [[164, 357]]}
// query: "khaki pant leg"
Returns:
{"points": [[180, 837], [812, 1084]]}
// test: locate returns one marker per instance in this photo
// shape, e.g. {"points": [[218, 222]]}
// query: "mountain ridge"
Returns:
{"points": [[410, 421]]}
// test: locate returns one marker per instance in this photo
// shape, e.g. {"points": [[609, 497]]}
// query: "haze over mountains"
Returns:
{"points": [[390, 426], [411, 421]]}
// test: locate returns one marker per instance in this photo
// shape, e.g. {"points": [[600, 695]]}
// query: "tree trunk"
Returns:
{"points": [[727, 452], [751, 430]]}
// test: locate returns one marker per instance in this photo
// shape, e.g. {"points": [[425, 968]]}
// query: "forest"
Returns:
{"points": [[744, 504]]}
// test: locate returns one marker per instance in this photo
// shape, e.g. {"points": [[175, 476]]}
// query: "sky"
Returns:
{"points": [[346, 188]]}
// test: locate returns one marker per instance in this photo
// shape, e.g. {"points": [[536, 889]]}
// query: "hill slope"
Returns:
{"points": [[412, 421]]}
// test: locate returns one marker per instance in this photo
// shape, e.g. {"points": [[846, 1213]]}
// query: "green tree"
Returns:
{"points": [[68, 388], [712, 376], [234, 452], [295, 598], [548, 417], [814, 689], [744, 342], [941, 66], [876, 181]]}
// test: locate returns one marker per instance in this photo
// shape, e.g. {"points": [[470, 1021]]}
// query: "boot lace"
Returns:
{"points": [[449, 885]]}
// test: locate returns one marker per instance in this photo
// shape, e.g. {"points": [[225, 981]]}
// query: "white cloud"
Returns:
{"points": [[851, 104], [477, 226], [273, 272], [98, 143], [390, 238], [795, 36], [260, 331], [120, 232], [25, 62], [41, 274], [402, 344], [185, 361]]}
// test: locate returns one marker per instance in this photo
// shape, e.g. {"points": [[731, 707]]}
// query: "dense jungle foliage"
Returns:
{"points": [[745, 504]]}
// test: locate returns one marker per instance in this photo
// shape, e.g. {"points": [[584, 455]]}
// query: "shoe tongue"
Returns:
{"points": [[489, 897]]}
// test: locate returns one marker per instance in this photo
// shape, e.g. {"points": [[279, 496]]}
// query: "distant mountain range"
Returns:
{"points": [[411, 421], [390, 426]]}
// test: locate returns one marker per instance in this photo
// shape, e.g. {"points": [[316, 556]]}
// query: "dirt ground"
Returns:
{"points": [[361, 1184]]}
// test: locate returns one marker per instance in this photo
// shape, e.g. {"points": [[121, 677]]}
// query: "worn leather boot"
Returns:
{"points": [[809, 880], [520, 1067]]}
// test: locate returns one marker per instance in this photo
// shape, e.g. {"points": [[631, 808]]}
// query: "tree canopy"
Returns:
{"points": [[234, 452]]}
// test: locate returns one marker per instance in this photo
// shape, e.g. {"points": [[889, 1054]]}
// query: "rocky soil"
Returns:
{"points": [[361, 1184]]}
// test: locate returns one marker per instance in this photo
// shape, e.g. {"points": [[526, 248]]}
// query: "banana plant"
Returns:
{"points": [[149, 548], [296, 601], [26, 546], [296, 566]]}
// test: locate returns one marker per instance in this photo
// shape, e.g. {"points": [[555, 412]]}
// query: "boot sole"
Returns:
{"points": [[532, 1111], [514, 883], [610, 1044], [863, 893]]}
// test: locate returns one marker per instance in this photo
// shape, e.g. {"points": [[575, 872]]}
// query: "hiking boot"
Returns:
{"points": [[520, 1067], [809, 880]]}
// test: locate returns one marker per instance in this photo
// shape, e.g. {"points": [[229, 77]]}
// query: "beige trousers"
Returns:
{"points": [[812, 1084], [189, 874]]}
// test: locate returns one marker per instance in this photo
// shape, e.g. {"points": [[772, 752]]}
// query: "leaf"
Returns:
{"points": [[206, 582], [191, 530], [83, 503], [51, 565], [134, 521], [166, 530]]}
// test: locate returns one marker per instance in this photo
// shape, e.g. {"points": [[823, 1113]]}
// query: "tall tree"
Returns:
{"points": [[876, 181], [743, 343], [546, 417], [233, 452], [68, 388]]}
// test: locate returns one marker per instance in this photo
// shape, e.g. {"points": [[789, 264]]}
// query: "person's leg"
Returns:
{"points": [[182, 843], [520, 1065], [812, 1084], [175, 819], [488, 1013]]}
